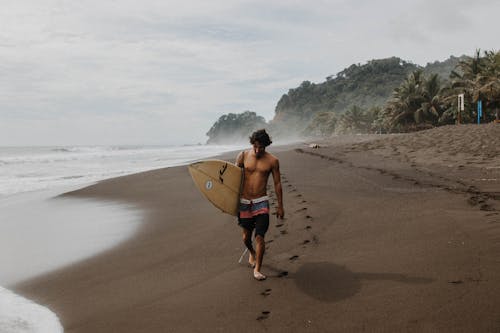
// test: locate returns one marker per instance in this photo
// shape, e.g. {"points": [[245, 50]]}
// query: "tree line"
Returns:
{"points": [[424, 101]]}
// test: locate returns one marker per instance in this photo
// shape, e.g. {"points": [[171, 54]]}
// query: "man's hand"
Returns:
{"points": [[280, 213]]}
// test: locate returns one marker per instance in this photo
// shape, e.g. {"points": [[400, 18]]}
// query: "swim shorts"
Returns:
{"points": [[254, 214]]}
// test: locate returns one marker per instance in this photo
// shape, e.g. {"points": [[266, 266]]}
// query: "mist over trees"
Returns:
{"points": [[385, 95]]}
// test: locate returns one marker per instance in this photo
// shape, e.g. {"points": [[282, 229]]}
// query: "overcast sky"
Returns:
{"points": [[162, 72]]}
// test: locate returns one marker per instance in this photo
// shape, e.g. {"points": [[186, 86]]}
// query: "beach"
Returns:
{"points": [[381, 233]]}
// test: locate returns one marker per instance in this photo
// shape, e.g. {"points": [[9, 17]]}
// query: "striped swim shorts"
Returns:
{"points": [[254, 214]]}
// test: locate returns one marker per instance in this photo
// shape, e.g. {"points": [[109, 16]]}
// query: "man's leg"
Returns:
{"points": [[261, 226], [260, 248], [247, 240]]}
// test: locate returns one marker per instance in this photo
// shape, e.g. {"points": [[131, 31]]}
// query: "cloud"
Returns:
{"points": [[169, 69]]}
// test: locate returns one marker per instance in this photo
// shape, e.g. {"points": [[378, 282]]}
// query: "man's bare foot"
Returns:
{"points": [[251, 260], [259, 276]]}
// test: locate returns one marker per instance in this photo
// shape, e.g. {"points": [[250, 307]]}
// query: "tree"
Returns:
{"points": [[416, 103], [478, 78], [354, 120], [431, 105], [487, 84]]}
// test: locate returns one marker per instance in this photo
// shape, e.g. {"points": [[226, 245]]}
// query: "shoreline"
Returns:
{"points": [[54, 196], [367, 236], [57, 231]]}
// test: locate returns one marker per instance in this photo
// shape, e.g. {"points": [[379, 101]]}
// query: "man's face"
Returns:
{"points": [[258, 149]]}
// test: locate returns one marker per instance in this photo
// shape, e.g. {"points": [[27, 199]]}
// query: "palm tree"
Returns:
{"points": [[487, 83], [406, 99], [416, 102], [431, 105], [478, 78]]}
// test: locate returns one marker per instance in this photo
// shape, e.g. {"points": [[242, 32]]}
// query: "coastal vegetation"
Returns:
{"points": [[235, 127], [361, 86], [385, 95]]}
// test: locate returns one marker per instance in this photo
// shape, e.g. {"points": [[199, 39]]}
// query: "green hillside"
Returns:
{"points": [[443, 68], [364, 86]]}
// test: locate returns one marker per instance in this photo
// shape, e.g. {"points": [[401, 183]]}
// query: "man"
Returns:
{"points": [[254, 202]]}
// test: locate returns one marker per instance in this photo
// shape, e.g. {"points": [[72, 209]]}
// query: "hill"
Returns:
{"points": [[364, 86], [443, 68]]}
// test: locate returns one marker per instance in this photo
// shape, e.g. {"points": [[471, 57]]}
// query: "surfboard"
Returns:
{"points": [[220, 182]]}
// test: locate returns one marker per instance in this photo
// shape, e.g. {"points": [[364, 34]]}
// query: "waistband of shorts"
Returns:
{"points": [[254, 201]]}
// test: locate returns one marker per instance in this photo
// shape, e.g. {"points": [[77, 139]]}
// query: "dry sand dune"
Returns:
{"points": [[452, 146]]}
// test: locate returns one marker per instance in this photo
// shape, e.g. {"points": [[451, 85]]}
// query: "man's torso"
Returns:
{"points": [[257, 172]]}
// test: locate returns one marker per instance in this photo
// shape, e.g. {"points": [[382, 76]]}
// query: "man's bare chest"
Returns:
{"points": [[257, 167]]}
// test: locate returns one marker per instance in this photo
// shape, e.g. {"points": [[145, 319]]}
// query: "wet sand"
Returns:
{"points": [[382, 233]]}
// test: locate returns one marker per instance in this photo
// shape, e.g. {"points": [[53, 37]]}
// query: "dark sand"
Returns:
{"points": [[382, 233]]}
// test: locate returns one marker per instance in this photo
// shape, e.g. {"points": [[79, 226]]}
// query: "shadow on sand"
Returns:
{"points": [[328, 282]]}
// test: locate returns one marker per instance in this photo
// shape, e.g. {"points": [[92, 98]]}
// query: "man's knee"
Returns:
{"points": [[247, 236], [259, 238]]}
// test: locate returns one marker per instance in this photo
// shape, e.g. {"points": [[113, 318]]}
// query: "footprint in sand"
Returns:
{"points": [[266, 292], [283, 274], [279, 225], [301, 210], [308, 227], [292, 258], [264, 315], [486, 207], [306, 242], [283, 232]]}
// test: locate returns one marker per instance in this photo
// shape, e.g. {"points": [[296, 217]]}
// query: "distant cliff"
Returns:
{"points": [[235, 128]]}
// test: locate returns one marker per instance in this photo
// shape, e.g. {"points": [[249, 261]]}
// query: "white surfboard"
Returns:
{"points": [[220, 182]]}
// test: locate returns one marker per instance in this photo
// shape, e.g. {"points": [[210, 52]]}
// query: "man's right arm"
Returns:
{"points": [[239, 160]]}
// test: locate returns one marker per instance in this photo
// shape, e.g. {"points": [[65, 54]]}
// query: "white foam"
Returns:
{"points": [[39, 234], [24, 169], [20, 315]]}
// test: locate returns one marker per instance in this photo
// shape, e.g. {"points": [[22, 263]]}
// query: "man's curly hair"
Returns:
{"points": [[261, 137]]}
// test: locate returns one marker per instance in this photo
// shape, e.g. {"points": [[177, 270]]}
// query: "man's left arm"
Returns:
{"points": [[280, 213]]}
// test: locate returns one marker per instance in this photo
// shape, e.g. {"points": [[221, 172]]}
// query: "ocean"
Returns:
{"points": [[25, 169], [40, 232]]}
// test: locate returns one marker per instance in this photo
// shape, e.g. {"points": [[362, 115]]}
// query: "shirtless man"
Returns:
{"points": [[254, 202]]}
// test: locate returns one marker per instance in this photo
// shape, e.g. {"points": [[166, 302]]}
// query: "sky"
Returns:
{"points": [[99, 72]]}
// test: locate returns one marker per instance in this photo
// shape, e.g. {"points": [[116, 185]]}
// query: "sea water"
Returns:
{"points": [[40, 233], [24, 169]]}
